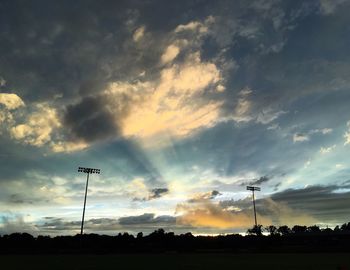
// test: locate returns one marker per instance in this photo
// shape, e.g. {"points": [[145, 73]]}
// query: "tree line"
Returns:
{"points": [[258, 239], [297, 229]]}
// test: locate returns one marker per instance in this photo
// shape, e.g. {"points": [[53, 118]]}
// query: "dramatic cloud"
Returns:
{"points": [[174, 101], [175, 104], [90, 120]]}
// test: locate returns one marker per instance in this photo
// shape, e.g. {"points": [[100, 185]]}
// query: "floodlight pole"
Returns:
{"points": [[254, 189], [86, 190], [88, 171]]}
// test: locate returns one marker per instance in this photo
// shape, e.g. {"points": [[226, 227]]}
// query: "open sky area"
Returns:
{"points": [[181, 105]]}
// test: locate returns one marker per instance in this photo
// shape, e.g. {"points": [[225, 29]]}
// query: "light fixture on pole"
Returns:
{"points": [[87, 171], [254, 189]]}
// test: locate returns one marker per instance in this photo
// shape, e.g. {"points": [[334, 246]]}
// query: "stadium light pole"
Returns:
{"points": [[254, 189], [88, 171]]}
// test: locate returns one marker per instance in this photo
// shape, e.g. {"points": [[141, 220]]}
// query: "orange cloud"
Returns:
{"points": [[206, 213], [172, 105], [209, 214]]}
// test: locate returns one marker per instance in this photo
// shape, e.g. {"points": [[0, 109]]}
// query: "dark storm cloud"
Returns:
{"points": [[215, 193], [56, 48], [241, 203], [61, 225], [328, 204], [18, 198], [146, 222], [256, 181], [324, 202], [147, 218], [261, 180], [89, 120], [157, 193]]}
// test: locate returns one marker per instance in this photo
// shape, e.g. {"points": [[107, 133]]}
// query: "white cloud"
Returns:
{"points": [[38, 126], [11, 101], [325, 150], [170, 54], [138, 34], [298, 137]]}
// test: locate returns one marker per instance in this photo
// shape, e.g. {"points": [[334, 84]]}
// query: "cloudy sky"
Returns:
{"points": [[181, 104]]}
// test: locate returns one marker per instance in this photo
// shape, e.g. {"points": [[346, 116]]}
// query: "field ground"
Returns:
{"points": [[202, 261]]}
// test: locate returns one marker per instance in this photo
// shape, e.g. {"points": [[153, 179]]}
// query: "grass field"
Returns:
{"points": [[178, 261]]}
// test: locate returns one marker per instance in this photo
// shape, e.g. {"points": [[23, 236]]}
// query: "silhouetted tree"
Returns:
{"points": [[139, 235], [284, 230], [299, 229], [345, 227], [314, 229], [324, 240], [327, 230], [337, 229], [256, 230], [272, 230]]}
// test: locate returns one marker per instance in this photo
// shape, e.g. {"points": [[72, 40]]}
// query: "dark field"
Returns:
{"points": [[317, 261]]}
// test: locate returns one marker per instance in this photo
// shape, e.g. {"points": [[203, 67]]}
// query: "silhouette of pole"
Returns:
{"points": [[86, 190], [88, 171], [254, 189]]}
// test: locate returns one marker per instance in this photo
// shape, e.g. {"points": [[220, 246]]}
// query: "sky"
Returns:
{"points": [[181, 105]]}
